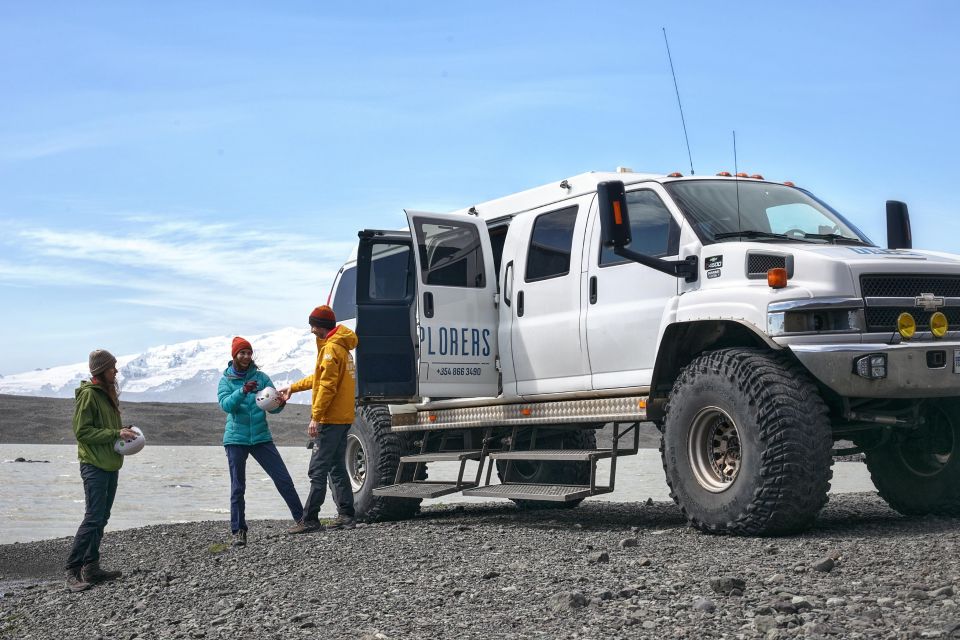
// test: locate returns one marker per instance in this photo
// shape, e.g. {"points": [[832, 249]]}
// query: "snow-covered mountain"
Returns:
{"points": [[183, 372]]}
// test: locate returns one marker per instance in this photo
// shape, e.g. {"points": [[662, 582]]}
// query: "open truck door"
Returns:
{"points": [[436, 336], [386, 317]]}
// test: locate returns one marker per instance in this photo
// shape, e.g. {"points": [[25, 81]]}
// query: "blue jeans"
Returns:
{"points": [[99, 490], [268, 457], [329, 448]]}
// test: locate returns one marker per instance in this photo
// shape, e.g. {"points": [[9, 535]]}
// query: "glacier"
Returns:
{"points": [[183, 372]]}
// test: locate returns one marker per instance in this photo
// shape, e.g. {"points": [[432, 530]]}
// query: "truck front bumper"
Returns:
{"points": [[912, 370]]}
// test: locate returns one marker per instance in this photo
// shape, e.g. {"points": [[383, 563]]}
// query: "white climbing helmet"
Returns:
{"points": [[125, 448], [268, 399]]}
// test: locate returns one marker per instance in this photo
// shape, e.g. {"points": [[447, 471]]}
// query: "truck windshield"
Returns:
{"points": [[725, 210]]}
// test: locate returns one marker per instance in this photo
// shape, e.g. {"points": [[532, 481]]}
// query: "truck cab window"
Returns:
{"points": [[450, 254], [653, 230], [550, 244], [345, 298]]}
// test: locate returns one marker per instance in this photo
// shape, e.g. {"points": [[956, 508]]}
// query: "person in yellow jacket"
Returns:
{"points": [[331, 414]]}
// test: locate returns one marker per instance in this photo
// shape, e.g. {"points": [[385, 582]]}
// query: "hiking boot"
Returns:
{"points": [[305, 526], [93, 574], [240, 538], [74, 583], [344, 522]]}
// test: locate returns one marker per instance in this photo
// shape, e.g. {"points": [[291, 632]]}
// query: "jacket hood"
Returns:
{"points": [[342, 336], [84, 385]]}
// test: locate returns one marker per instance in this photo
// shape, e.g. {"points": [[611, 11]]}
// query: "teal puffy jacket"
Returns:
{"points": [[246, 422]]}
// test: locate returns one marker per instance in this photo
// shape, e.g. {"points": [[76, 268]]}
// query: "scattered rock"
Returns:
{"points": [[602, 557], [703, 604], [727, 584], [824, 565], [566, 600], [628, 542], [489, 575]]}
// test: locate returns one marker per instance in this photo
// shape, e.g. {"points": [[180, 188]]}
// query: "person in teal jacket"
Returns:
{"points": [[247, 434], [97, 426]]}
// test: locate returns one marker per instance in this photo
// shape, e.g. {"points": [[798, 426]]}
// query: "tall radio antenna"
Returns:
{"points": [[679, 104]]}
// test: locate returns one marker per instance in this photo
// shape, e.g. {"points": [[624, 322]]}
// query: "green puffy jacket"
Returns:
{"points": [[96, 424]]}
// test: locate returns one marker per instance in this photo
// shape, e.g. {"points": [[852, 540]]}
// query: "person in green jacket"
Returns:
{"points": [[247, 434], [97, 426]]}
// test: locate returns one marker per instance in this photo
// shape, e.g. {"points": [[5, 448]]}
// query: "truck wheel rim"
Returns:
{"points": [[356, 457], [930, 451], [714, 449]]}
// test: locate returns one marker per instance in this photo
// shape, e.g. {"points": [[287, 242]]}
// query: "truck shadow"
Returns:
{"points": [[855, 514]]}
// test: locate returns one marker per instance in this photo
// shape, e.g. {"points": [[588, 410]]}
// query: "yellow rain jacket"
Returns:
{"points": [[333, 380]]}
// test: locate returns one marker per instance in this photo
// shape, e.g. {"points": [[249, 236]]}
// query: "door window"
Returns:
{"points": [[390, 267], [653, 231], [550, 243], [450, 254]]}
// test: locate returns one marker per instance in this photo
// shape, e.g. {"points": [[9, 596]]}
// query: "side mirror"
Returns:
{"points": [[898, 226], [614, 220], [615, 232]]}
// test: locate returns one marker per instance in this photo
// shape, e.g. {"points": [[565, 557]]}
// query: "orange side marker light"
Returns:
{"points": [[777, 278]]}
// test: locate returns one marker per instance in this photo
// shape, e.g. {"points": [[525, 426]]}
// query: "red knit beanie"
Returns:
{"points": [[238, 344], [323, 317]]}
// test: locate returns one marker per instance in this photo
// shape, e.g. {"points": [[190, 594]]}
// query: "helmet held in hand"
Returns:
{"points": [[268, 399], [126, 448]]}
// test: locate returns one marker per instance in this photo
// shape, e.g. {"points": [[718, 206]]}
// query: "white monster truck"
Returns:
{"points": [[752, 323]]}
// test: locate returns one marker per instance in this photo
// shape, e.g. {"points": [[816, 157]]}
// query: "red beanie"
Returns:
{"points": [[238, 344], [323, 317]]}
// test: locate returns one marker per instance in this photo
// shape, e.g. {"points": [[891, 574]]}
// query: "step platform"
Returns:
{"points": [[441, 456], [557, 454], [421, 489], [547, 492]]}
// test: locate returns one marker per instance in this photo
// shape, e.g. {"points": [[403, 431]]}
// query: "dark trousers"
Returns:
{"points": [[329, 448], [99, 490], [268, 457]]}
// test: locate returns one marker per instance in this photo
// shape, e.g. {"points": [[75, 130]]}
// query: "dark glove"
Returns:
{"points": [[250, 386]]}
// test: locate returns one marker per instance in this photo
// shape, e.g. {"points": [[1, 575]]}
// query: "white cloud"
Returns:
{"points": [[194, 277]]}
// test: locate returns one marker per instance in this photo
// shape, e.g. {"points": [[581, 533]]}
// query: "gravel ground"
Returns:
{"points": [[602, 570]]}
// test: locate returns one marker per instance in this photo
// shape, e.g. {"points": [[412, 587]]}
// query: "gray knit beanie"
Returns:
{"points": [[100, 361]]}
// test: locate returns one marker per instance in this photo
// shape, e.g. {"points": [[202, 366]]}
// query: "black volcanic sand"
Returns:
{"points": [[602, 570], [28, 420]]}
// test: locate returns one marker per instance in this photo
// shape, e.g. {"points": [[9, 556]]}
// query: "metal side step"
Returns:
{"points": [[560, 454], [551, 492], [421, 489], [455, 456]]}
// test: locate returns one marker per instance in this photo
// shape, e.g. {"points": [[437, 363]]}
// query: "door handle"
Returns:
{"points": [[519, 303], [428, 304], [593, 289]]}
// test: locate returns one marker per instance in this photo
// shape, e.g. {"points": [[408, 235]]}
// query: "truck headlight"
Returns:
{"points": [[813, 321]]}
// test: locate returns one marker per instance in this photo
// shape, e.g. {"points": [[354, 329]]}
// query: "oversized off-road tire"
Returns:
{"points": [[746, 444], [918, 472], [372, 457], [553, 472]]}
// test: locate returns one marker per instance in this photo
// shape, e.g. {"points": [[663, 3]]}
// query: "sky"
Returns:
{"points": [[179, 170]]}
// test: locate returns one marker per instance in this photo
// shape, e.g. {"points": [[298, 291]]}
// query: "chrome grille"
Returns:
{"points": [[899, 286], [884, 318]]}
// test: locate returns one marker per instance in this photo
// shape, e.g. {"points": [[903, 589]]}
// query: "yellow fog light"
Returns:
{"points": [[938, 324], [906, 325]]}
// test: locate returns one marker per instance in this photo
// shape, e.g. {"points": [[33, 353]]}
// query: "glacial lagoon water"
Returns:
{"points": [[168, 484]]}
